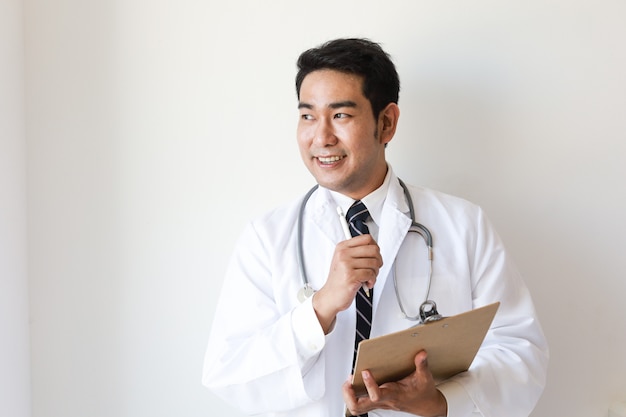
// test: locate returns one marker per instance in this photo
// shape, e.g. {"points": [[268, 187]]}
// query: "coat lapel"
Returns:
{"points": [[395, 223]]}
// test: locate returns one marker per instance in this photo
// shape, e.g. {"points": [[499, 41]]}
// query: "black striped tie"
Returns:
{"points": [[357, 215]]}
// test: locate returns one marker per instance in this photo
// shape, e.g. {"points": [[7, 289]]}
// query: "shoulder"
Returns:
{"points": [[453, 214], [430, 199], [277, 223]]}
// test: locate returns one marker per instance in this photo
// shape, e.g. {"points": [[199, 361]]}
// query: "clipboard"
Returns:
{"points": [[451, 343]]}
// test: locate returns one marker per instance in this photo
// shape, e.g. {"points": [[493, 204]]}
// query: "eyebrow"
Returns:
{"points": [[336, 105]]}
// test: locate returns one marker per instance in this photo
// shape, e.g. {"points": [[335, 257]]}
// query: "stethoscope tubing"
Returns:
{"points": [[427, 305]]}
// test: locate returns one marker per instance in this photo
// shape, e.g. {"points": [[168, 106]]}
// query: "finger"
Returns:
{"points": [[420, 358], [367, 261], [363, 268], [349, 396], [373, 390], [359, 257], [366, 251], [361, 250], [366, 239], [369, 283], [422, 371], [363, 273]]}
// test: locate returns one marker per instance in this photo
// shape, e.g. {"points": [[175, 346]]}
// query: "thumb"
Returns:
{"points": [[421, 365], [421, 359]]}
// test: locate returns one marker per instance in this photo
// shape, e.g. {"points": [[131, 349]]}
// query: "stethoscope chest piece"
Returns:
{"points": [[305, 292], [428, 312]]}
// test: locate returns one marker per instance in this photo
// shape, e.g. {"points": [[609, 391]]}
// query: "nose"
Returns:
{"points": [[324, 134]]}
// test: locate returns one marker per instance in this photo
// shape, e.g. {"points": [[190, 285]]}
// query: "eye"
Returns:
{"points": [[306, 117], [342, 116]]}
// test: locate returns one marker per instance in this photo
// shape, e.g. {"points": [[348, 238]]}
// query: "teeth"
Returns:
{"points": [[329, 159]]}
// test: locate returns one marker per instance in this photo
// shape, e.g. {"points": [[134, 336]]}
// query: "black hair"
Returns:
{"points": [[381, 84]]}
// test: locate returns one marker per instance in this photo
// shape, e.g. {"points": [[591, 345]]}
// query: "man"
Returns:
{"points": [[273, 353]]}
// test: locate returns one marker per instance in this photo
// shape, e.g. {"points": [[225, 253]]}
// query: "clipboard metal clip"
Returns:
{"points": [[428, 312]]}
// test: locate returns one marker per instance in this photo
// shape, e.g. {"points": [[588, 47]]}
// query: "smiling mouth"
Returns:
{"points": [[329, 159]]}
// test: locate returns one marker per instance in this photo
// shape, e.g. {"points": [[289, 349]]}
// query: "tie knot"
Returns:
{"points": [[356, 217]]}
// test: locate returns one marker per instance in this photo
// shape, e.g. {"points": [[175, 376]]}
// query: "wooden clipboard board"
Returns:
{"points": [[451, 343]]}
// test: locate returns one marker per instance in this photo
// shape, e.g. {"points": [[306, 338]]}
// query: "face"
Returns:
{"points": [[340, 141]]}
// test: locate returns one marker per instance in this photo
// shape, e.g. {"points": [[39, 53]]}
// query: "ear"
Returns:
{"points": [[387, 122]]}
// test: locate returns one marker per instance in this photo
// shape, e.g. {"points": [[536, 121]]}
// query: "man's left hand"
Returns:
{"points": [[415, 394]]}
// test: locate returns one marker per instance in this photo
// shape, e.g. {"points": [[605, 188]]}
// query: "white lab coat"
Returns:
{"points": [[268, 355]]}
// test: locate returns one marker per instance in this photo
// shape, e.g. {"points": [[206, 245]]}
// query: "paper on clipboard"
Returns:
{"points": [[451, 343]]}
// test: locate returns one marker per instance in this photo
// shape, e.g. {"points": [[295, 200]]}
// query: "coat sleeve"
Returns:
{"points": [[508, 374], [256, 343]]}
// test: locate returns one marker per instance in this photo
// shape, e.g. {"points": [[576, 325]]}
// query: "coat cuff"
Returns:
{"points": [[308, 334], [459, 402]]}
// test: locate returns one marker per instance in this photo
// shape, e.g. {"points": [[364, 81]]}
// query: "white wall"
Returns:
{"points": [[151, 124], [14, 338]]}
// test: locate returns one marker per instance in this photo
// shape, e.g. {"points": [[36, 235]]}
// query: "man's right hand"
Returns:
{"points": [[355, 262]]}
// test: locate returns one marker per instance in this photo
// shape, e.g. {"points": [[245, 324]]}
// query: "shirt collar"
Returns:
{"points": [[374, 201]]}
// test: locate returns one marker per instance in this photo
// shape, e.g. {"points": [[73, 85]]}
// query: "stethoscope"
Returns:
{"points": [[428, 309]]}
